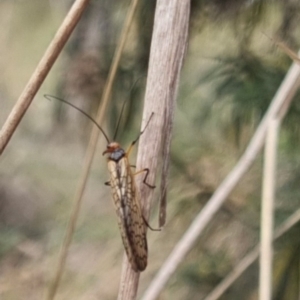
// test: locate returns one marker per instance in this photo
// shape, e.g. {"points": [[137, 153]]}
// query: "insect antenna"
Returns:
{"points": [[119, 121], [122, 110], [143, 130], [50, 97]]}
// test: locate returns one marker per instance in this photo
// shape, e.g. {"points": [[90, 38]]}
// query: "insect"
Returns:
{"points": [[131, 221]]}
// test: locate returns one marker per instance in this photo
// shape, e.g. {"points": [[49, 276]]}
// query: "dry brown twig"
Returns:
{"points": [[168, 47], [41, 71], [278, 106], [283, 46]]}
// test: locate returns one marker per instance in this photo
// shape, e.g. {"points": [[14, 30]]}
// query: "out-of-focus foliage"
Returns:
{"points": [[231, 73]]}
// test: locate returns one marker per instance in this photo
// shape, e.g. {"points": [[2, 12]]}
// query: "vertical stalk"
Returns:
{"points": [[169, 41], [268, 193]]}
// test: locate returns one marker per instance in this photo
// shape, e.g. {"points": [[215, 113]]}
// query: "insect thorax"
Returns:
{"points": [[117, 154]]}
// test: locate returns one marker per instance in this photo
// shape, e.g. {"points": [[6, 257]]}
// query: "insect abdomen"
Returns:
{"points": [[129, 213]]}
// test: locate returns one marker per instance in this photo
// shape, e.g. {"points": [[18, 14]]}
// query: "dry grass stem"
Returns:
{"points": [[288, 51], [267, 211], [166, 58], [90, 154], [250, 258], [41, 72], [284, 95]]}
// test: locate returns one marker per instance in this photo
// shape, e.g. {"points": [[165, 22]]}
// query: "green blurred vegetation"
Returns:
{"points": [[231, 73]]}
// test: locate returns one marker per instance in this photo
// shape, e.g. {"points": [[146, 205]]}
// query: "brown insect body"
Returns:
{"points": [[125, 197], [127, 204]]}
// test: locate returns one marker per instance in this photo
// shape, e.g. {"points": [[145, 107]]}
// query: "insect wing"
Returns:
{"points": [[130, 220]]}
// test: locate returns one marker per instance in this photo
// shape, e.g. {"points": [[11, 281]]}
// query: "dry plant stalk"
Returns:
{"points": [[250, 258], [281, 101], [41, 72], [89, 155], [288, 51], [267, 210], [168, 47]]}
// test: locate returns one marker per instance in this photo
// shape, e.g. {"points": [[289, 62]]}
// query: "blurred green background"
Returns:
{"points": [[231, 73]]}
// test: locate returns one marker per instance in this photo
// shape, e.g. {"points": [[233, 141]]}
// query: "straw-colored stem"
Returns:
{"points": [[267, 211], [41, 72], [168, 47]]}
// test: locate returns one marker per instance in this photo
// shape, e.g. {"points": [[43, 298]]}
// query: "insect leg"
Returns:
{"points": [[134, 142], [147, 224], [145, 178]]}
